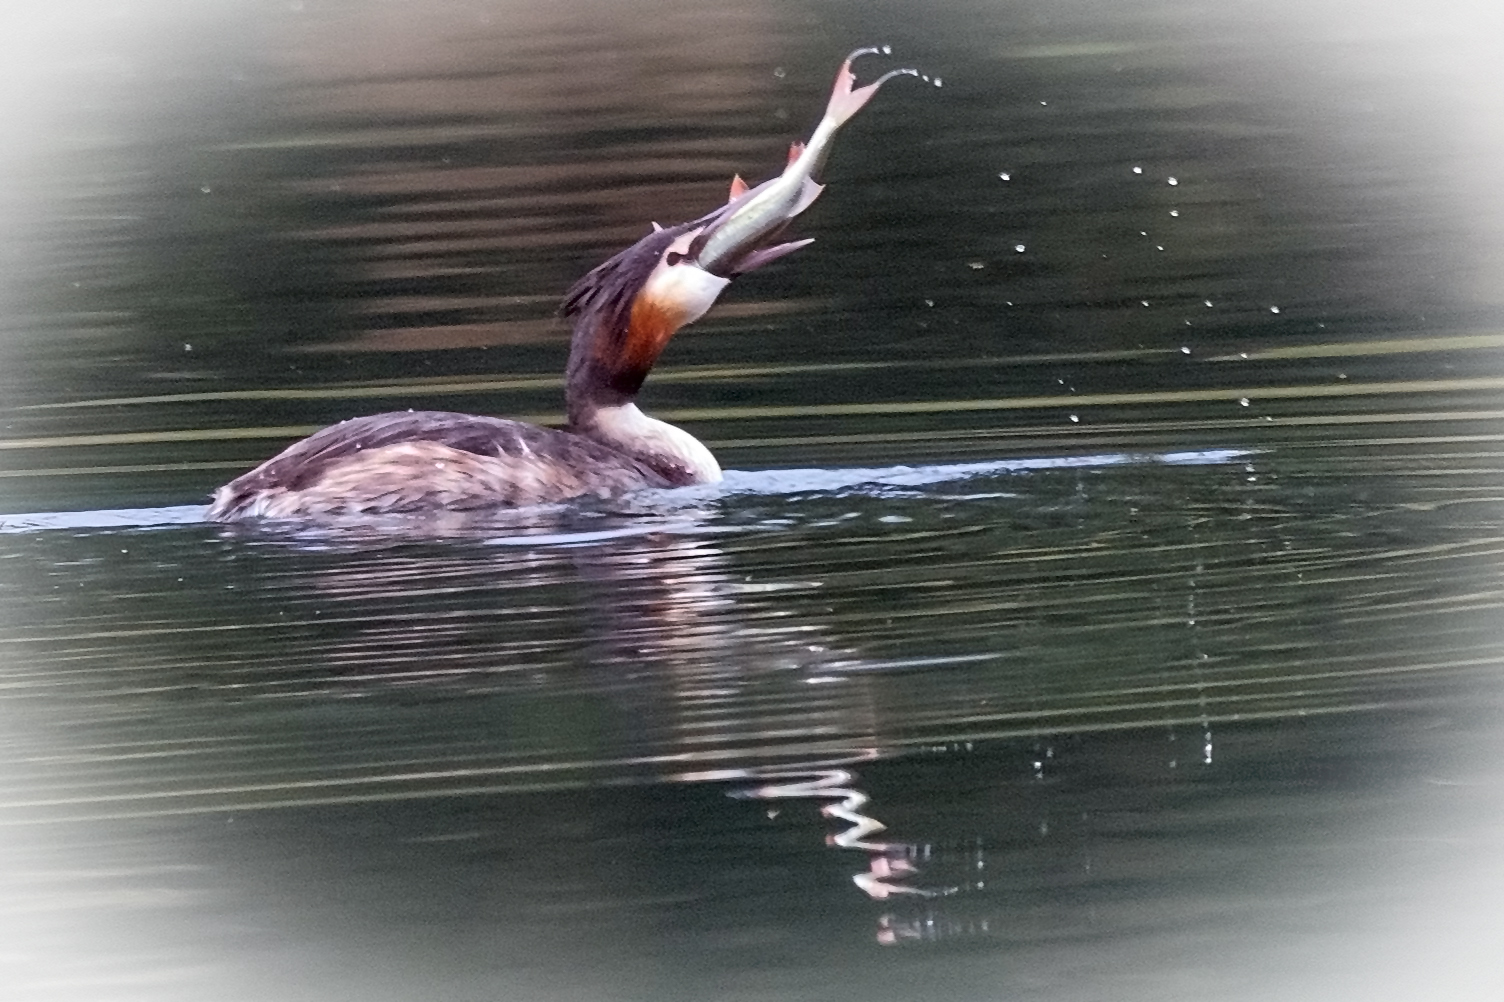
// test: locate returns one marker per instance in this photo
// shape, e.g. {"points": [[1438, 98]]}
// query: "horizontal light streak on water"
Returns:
{"points": [[323, 393], [278, 624], [157, 437], [552, 775], [446, 385], [1392, 346], [1253, 393], [354, 138], [876, 408], [986, 436], [1089, 701], [71, 471], [679, 374]]}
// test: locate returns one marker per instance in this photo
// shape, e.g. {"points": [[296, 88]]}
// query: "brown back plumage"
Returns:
{"points": [[425, 460]]}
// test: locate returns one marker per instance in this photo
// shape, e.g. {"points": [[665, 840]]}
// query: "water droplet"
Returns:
{"points": [[976, 265], [887, 50], [939, 82], [1175, 212], [780, 72], [206, 189], [1008, 303], [1159, 247], [929, 302], [1044, 104], [925, 77], [187, 346], [1208, 302], [1075, 419], [1019, 248], [1143, 302], [1138, 170], [1274, 309], [1172, 181], [1004, 176], [1242, 354], [1185, 349], [1242, 401], [1143, 233]]}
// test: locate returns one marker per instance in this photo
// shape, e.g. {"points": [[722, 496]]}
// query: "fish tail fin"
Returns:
{"points": [[846, 100]]}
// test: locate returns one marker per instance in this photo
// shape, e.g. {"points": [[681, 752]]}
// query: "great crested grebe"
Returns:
{"points": [[623, 313]]}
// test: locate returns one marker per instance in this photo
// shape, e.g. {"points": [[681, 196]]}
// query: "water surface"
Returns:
{"points": [[1103, 602]]}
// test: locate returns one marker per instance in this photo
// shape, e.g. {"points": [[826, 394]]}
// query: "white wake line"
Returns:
{"points": [[766, 482], [793, 481]]}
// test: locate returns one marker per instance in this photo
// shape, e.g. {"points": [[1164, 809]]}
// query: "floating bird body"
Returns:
{"points": [[623, 313]]}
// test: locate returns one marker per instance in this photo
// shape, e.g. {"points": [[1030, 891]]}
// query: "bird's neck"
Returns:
{"points": [[673, 452]]}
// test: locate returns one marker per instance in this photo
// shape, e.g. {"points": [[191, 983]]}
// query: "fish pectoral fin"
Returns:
{"points": [[795, 149], [657, 228], [767, 255], [807, 195], [738, 187]]}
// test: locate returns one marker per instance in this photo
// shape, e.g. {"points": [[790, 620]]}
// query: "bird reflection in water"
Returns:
{"points": [[890, 865], [887, 863], [707, 664]]}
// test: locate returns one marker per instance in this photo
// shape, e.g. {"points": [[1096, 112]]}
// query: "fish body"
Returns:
{"points": [[733, 238]]}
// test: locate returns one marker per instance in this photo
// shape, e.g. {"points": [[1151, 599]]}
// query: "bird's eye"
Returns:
{"points": [[672, 258]]}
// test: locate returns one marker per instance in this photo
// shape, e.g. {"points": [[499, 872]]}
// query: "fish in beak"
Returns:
{"points": [[734, 238], [626, 309]]}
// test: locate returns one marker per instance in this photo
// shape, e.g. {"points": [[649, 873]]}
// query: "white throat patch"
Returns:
{"points": [[687, 288]]}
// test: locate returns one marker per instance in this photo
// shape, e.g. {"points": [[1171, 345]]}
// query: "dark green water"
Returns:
{"points": [[1113, 618]]}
